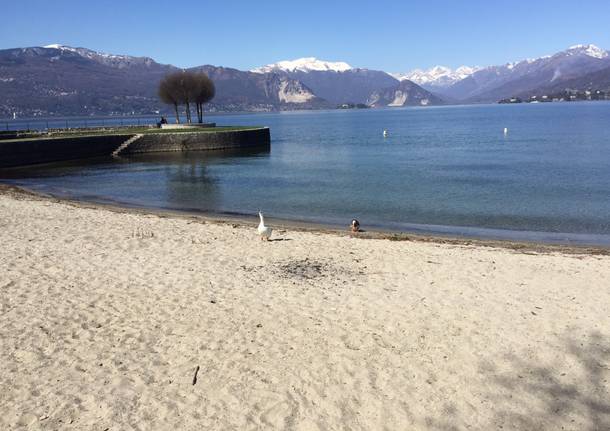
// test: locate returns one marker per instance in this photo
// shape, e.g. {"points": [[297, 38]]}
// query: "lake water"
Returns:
{"points": [[440, 170]]}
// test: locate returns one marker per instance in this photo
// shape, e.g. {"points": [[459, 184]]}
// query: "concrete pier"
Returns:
{"points": [[21, 152]]}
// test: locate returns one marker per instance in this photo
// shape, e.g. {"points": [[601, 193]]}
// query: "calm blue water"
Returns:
{"points": [[445, 169]]}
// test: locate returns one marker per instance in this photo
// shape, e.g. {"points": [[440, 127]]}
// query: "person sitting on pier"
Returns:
{"points": [[161, 122]]}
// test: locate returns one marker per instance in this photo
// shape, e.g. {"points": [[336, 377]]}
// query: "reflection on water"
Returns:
{"points": [[187, 177], [447, 169], [179, 180]]}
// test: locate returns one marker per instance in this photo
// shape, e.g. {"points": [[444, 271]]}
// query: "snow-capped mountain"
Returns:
{"points": [[437, 76], [119, 61], [336, 82], [306, 64], [254, 91], [493, 83], [83, 51], [589, 50], [487, 84]]}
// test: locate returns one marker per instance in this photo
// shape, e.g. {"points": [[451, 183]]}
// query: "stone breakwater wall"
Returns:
{"points": [[200, 141], [44, 150]]}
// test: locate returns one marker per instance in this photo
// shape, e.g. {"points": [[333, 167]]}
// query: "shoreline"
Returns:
{"points": [[305, 226]]}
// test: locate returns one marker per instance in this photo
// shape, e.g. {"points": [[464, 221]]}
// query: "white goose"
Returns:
{"points": [[263, 231]]}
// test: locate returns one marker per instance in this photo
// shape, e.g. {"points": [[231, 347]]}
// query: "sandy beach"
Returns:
{"points": [[118, 320]]}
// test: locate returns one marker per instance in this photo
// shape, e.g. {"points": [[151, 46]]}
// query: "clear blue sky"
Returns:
{"points": [[387, 35]]}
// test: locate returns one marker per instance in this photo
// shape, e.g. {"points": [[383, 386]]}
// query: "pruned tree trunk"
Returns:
{"points": [[177, 113], [188, 112]]}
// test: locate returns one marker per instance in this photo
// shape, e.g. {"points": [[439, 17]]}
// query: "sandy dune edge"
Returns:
{"points": [[105, 317]]}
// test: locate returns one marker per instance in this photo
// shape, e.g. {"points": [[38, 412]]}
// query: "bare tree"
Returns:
{"points": [[186, 87], [205, 91], [187, 84], [168, 93]]}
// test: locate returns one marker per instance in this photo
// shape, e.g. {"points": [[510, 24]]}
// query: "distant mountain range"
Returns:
{"points": [[561, 71], [529, 76], [598, 80], [61, 80]]}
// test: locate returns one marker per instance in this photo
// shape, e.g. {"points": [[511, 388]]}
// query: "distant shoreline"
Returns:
{"points": [[83, 118]]}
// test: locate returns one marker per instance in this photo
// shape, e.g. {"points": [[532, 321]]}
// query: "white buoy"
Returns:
{"points": [[385, 133], [506, 130]]}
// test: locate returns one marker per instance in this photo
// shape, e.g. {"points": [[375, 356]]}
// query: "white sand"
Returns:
{"points": [[106, 315]]}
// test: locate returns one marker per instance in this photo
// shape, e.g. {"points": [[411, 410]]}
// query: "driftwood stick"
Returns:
{"points": [[195, 376]]}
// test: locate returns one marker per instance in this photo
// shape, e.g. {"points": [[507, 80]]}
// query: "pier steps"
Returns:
{"points": [[126, 144]]}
